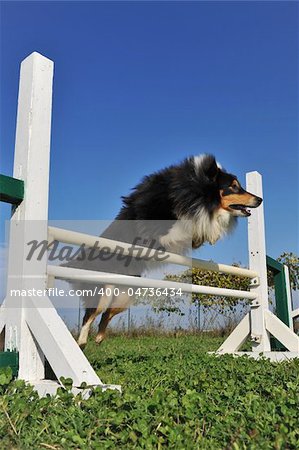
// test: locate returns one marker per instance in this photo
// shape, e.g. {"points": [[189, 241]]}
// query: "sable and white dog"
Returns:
{"points": [[194, 202]]}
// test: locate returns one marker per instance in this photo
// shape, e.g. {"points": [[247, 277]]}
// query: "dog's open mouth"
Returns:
{"points": [[241, 208]]}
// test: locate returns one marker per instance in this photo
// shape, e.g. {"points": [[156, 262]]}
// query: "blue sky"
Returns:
{"points": [[141, 85]]}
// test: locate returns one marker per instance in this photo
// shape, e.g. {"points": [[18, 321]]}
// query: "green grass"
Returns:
{"points": [[175, 395]]}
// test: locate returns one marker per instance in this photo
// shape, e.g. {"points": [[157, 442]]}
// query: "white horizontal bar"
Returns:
{"points": [[128, 280], [295, 313], [75, 238]]}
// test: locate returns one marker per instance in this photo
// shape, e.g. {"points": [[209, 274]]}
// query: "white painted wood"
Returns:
{"points": [[29, 221], [274, 326], [56, 342], [295, 313], [32, 325], [45, 387], [237, 337], [289, 295], [75, 238], [128, 280], [283, 333], [257, 263], [260, 323]]}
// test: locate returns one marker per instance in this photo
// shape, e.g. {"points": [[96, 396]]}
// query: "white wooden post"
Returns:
{"points": [[257, 262], [259, 323], [29, 221], [32, 325]]}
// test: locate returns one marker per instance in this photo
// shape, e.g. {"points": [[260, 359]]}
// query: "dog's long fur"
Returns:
{"points": [[187, 204]]}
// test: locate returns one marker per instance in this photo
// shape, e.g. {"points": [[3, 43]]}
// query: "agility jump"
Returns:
{"points": [[32, 326]]}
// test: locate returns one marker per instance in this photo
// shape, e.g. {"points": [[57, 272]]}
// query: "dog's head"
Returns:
{"points": [[232, 197]]}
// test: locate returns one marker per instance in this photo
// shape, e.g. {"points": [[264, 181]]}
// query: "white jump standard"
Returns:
{"points": [[32, 325]]}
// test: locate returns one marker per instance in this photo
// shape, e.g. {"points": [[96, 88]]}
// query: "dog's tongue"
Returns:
{"points": [[241, 208]]}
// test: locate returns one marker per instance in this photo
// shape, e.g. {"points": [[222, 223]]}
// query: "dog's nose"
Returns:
{"points": [[258, 201]]}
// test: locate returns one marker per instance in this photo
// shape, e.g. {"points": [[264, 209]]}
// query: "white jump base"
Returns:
{"points": [[32, 325]]}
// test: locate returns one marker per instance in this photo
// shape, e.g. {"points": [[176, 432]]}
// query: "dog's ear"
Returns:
{"points": [[210, 167]]}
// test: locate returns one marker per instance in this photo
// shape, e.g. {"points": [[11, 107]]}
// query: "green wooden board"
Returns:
{"points": [[10, 359], [281, 297], [11, 190]]}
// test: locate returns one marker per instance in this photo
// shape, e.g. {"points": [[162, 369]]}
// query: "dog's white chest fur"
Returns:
{"points": [[221, 224], [202, 228]]}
